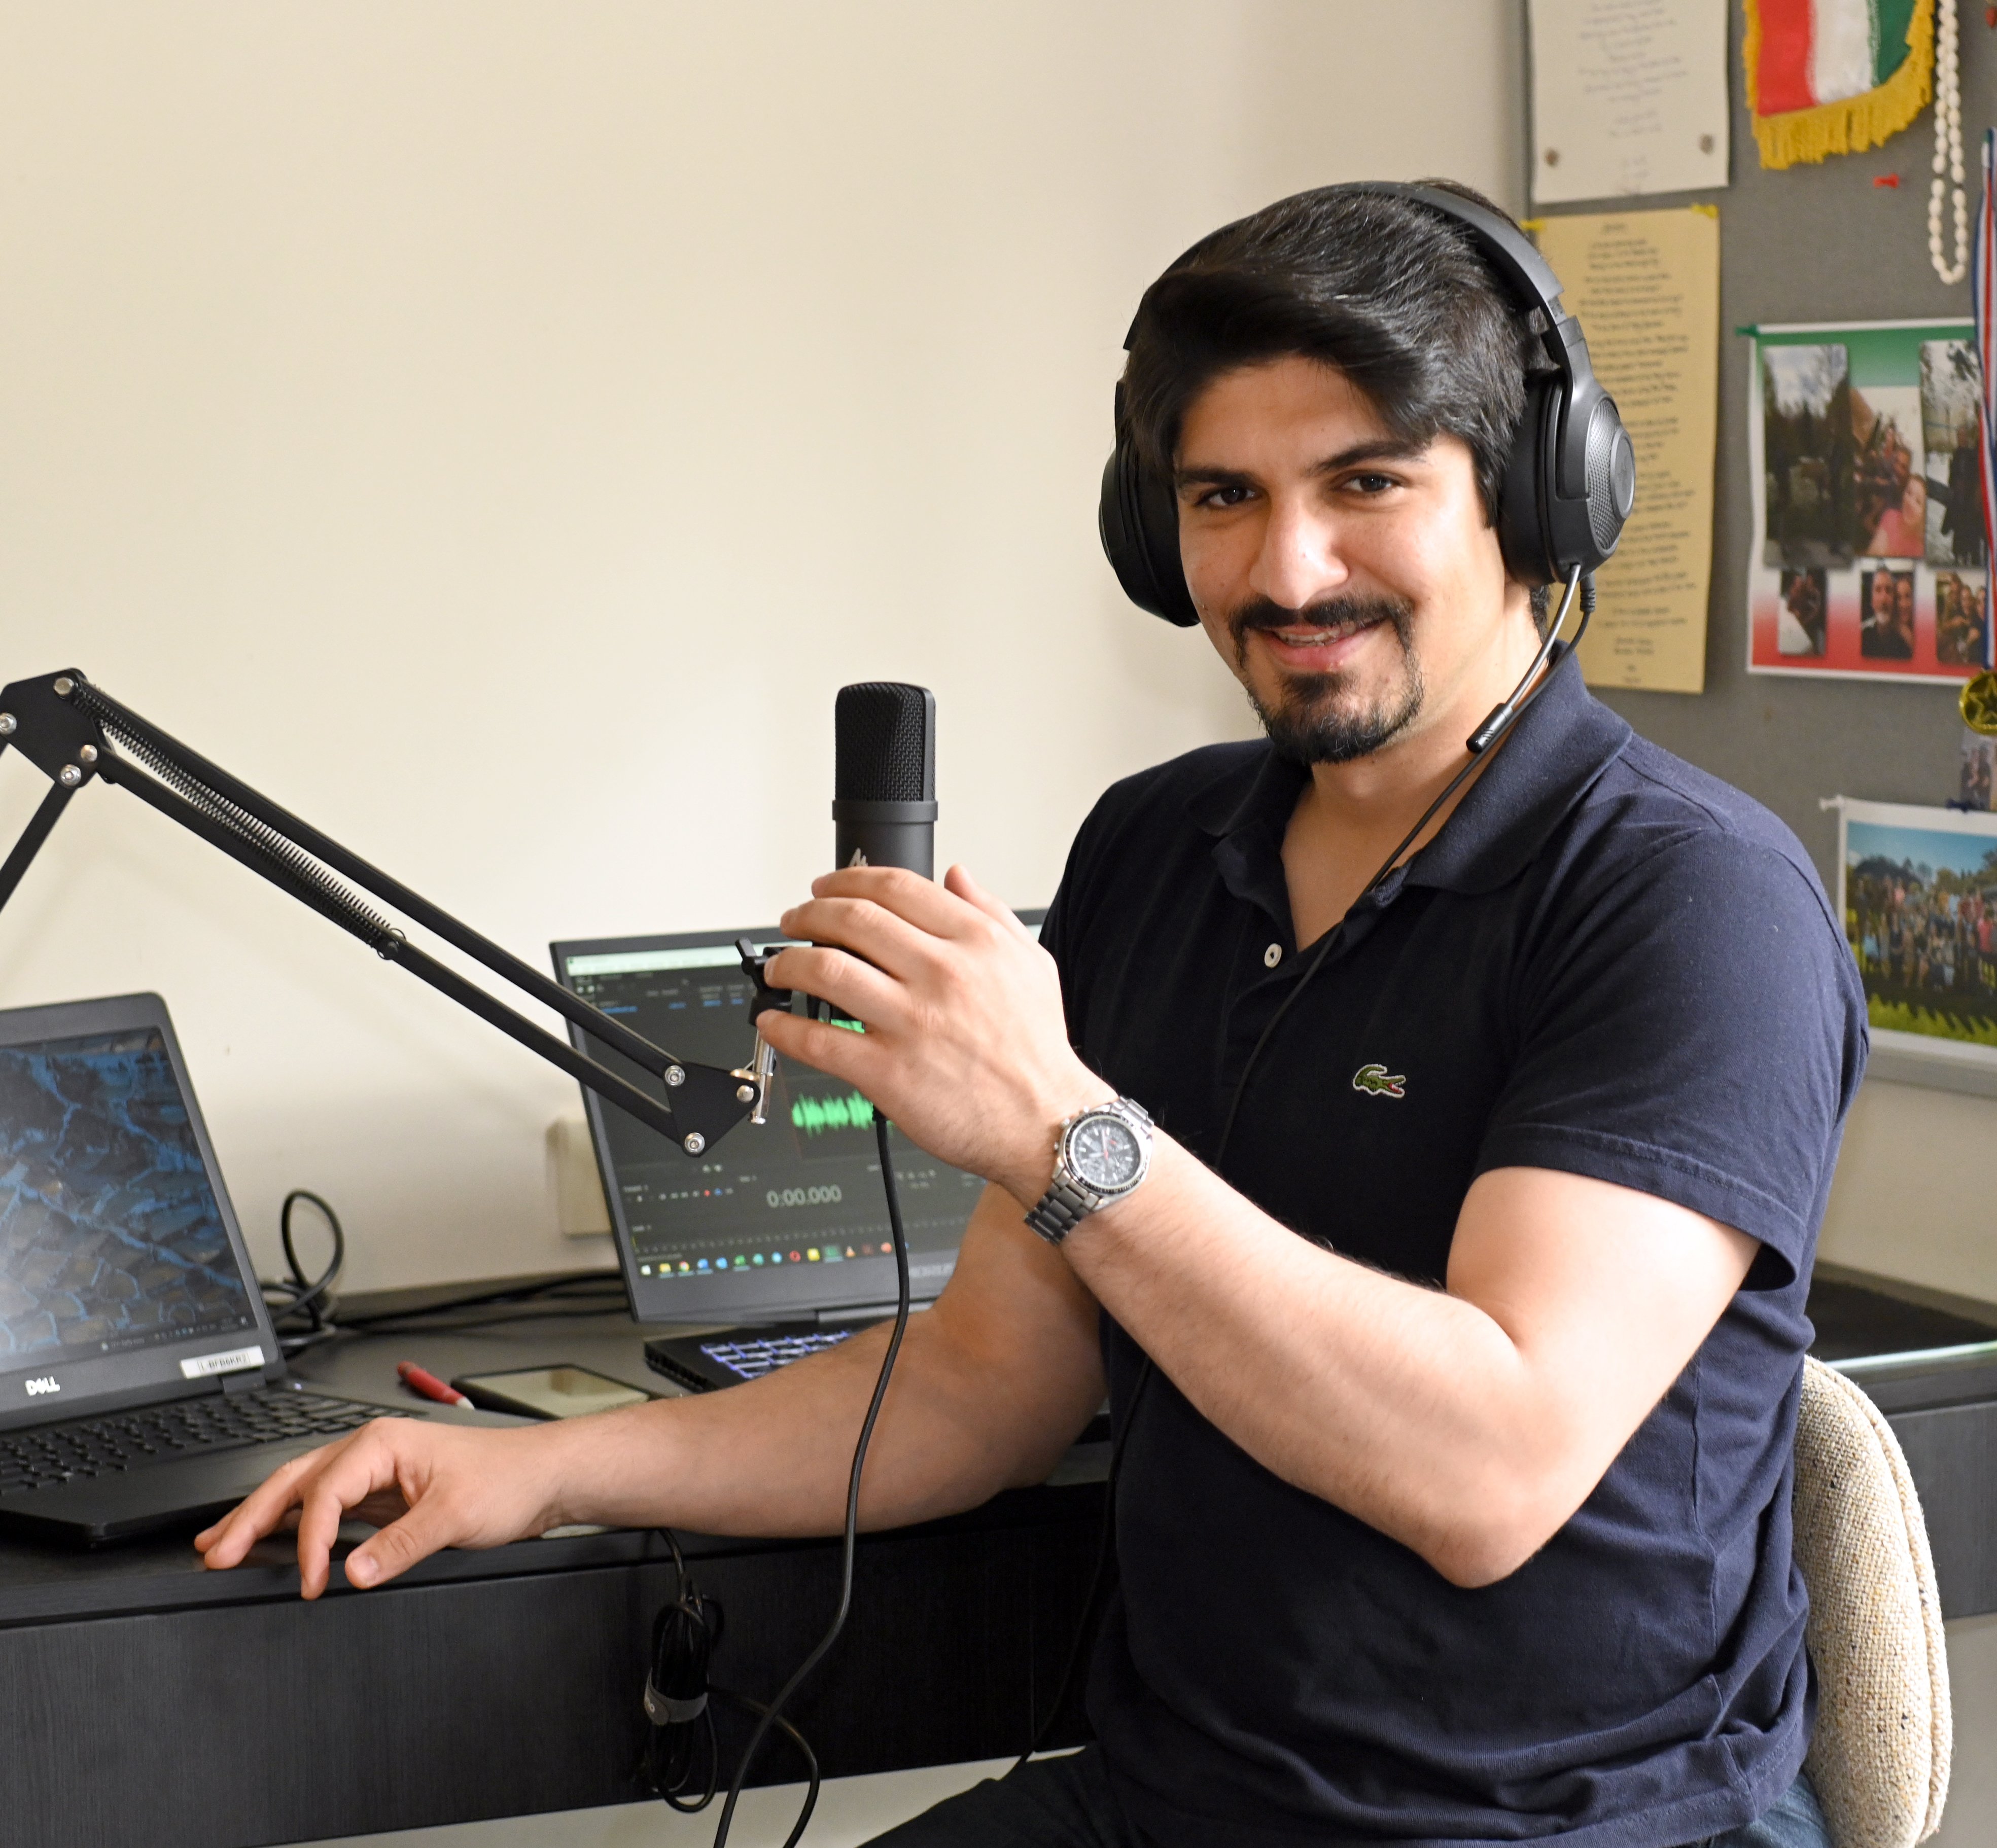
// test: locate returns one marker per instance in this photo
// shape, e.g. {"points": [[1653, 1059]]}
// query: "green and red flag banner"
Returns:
{"points": [[1832, 76]]}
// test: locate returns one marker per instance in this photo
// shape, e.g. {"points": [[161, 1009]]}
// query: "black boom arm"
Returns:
{"points": [[75, 733]]}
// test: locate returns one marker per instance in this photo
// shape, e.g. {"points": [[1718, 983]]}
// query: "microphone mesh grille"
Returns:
{"points": [[885, 743]]}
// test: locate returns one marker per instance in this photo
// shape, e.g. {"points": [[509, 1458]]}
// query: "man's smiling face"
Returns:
{"points": [[1348, 576]]}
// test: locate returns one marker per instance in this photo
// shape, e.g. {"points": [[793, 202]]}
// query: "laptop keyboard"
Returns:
{"points": [[754, 1359], [126, 1440]]}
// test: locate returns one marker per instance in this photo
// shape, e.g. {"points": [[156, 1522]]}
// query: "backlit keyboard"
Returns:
{"points": [[754, 1359]]}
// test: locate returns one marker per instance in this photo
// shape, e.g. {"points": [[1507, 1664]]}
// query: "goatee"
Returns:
{"points": [[1310, 722]]}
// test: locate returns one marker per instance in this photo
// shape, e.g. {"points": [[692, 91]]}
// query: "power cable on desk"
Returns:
{"points": [[564, 1286], [307, 1302], [298, 1296]]}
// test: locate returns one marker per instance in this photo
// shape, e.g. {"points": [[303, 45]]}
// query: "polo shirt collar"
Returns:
{"points": [[1562, 742]]}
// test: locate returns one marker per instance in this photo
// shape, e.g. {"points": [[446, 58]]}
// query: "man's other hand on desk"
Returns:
{"points": [[994, 1382], [425, 1486]]}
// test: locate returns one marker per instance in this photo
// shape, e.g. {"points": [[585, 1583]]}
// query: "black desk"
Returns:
{"points": [[143, 1700], [1929, 1361]]}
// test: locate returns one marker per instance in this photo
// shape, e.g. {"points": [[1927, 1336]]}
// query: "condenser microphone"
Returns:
{"points": [[883, 804]]}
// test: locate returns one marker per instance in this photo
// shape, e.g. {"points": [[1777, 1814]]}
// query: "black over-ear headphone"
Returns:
{"points": [[1569, 483]]}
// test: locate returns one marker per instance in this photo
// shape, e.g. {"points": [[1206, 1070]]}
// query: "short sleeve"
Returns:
{"points": [[1693, 1030], [1064, 931]]}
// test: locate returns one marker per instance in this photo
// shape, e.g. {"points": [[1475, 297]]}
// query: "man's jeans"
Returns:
{"points": [[1067, 1802], [1795, 1821]]}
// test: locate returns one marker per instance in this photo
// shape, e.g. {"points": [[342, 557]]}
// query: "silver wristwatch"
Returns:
{"points": [[1101, 1155]]}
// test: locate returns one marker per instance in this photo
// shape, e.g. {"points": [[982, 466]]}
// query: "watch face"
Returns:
{"points": [[1104, 1153]]}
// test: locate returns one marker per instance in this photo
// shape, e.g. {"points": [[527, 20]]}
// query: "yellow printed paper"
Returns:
{"points": [[1645, 287]]}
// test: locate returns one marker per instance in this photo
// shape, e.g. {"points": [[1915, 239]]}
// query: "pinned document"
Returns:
{"points": [[1629, 96], [1645, 287]]}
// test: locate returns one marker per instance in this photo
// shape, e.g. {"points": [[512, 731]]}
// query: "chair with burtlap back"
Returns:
{"points": [[1879, 1757]]}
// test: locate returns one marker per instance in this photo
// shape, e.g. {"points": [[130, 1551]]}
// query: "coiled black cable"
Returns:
{"points": [[681, 1756], [677, 1700], [298, 1296]]}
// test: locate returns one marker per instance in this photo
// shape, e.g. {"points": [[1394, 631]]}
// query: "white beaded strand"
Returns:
{"points": [[1948, 148]]}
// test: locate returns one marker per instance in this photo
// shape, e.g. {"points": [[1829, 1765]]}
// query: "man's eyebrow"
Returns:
{"points": [[1378, 449], [1213, 476]]}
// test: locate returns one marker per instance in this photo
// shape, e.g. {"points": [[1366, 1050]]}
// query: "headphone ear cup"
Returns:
{"points": [[1138, 519], [1544, 535], [1525, 499], [1612, 477]]}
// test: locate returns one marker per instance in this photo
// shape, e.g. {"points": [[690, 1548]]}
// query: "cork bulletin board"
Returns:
{"points": [[1809, 244]]}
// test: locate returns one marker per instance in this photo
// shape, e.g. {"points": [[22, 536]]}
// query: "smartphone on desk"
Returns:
{"points": [[548, 1391]]}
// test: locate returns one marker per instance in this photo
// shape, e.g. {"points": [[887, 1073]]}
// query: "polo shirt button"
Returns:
{"points": [[1272, 956]]}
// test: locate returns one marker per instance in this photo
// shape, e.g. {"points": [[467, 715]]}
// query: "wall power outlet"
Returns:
{"points": [[580, 1211]]}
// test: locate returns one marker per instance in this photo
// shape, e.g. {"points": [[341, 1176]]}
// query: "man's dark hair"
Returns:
{"points": [[1385, 289]]}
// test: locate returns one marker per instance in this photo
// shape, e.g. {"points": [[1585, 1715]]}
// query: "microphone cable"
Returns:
{"points": [[1496, 726], [772, 1716]]}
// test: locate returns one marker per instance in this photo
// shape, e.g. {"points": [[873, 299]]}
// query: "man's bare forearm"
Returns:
{"points": [[1467, 1423], [773, 1456], [991, 1386]]}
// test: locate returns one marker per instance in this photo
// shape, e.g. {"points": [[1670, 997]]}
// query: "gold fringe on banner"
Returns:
{"points": [[1859, 121]]}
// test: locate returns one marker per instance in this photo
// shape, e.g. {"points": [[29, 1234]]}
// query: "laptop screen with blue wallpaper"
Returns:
{"points": [[111, 1236], [123, 1273]]}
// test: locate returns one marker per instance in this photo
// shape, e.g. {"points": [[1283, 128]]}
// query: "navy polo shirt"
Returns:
{"points": [[1607, 963]]}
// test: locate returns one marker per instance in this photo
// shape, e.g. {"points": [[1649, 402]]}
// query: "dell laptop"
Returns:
{"points": [[779, 1231], [141, 1384]]}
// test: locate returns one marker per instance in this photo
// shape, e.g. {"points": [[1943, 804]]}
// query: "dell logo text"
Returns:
{"points": [[44, 1385]]}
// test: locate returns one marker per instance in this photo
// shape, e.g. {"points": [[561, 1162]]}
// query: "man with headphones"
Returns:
{"points": [[1418, 1122]]}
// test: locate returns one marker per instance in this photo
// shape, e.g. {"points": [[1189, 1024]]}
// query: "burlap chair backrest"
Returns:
{"points": [[1880, 1757]]}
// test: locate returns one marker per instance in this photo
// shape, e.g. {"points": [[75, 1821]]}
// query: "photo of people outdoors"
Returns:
{"points": [[1805, 609], [1807, 456], [1889, 496], [1961, 619], [1950, 392], [1886, 615], [1920, 912]]}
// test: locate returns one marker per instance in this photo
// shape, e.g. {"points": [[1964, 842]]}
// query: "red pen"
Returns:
{"points": [[419, 1380]]}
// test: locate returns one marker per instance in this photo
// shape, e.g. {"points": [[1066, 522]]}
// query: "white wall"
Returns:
{"points": [[495, 430], [1912, 1197]]}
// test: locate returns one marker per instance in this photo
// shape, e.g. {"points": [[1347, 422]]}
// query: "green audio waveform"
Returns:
{"points": [[814, 1116]]}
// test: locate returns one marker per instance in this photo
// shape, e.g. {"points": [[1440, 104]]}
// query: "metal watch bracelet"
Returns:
{"points": [[1071, 1198], [1060, 1210]]}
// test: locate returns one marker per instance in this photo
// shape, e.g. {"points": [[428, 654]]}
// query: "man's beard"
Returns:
{"points": [[1308, 724]]}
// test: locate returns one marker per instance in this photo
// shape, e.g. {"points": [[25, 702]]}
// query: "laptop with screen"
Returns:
{"points": [[782, 1227], [141, 1382]]}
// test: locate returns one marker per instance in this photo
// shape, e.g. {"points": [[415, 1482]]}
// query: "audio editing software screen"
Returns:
{"points": [[803, 1189]]}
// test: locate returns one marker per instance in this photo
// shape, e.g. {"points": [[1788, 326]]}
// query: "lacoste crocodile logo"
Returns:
{"points": [[1376, 1081]]}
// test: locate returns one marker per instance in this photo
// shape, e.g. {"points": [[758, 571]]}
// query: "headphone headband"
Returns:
{"points": [[1569, 482]]}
